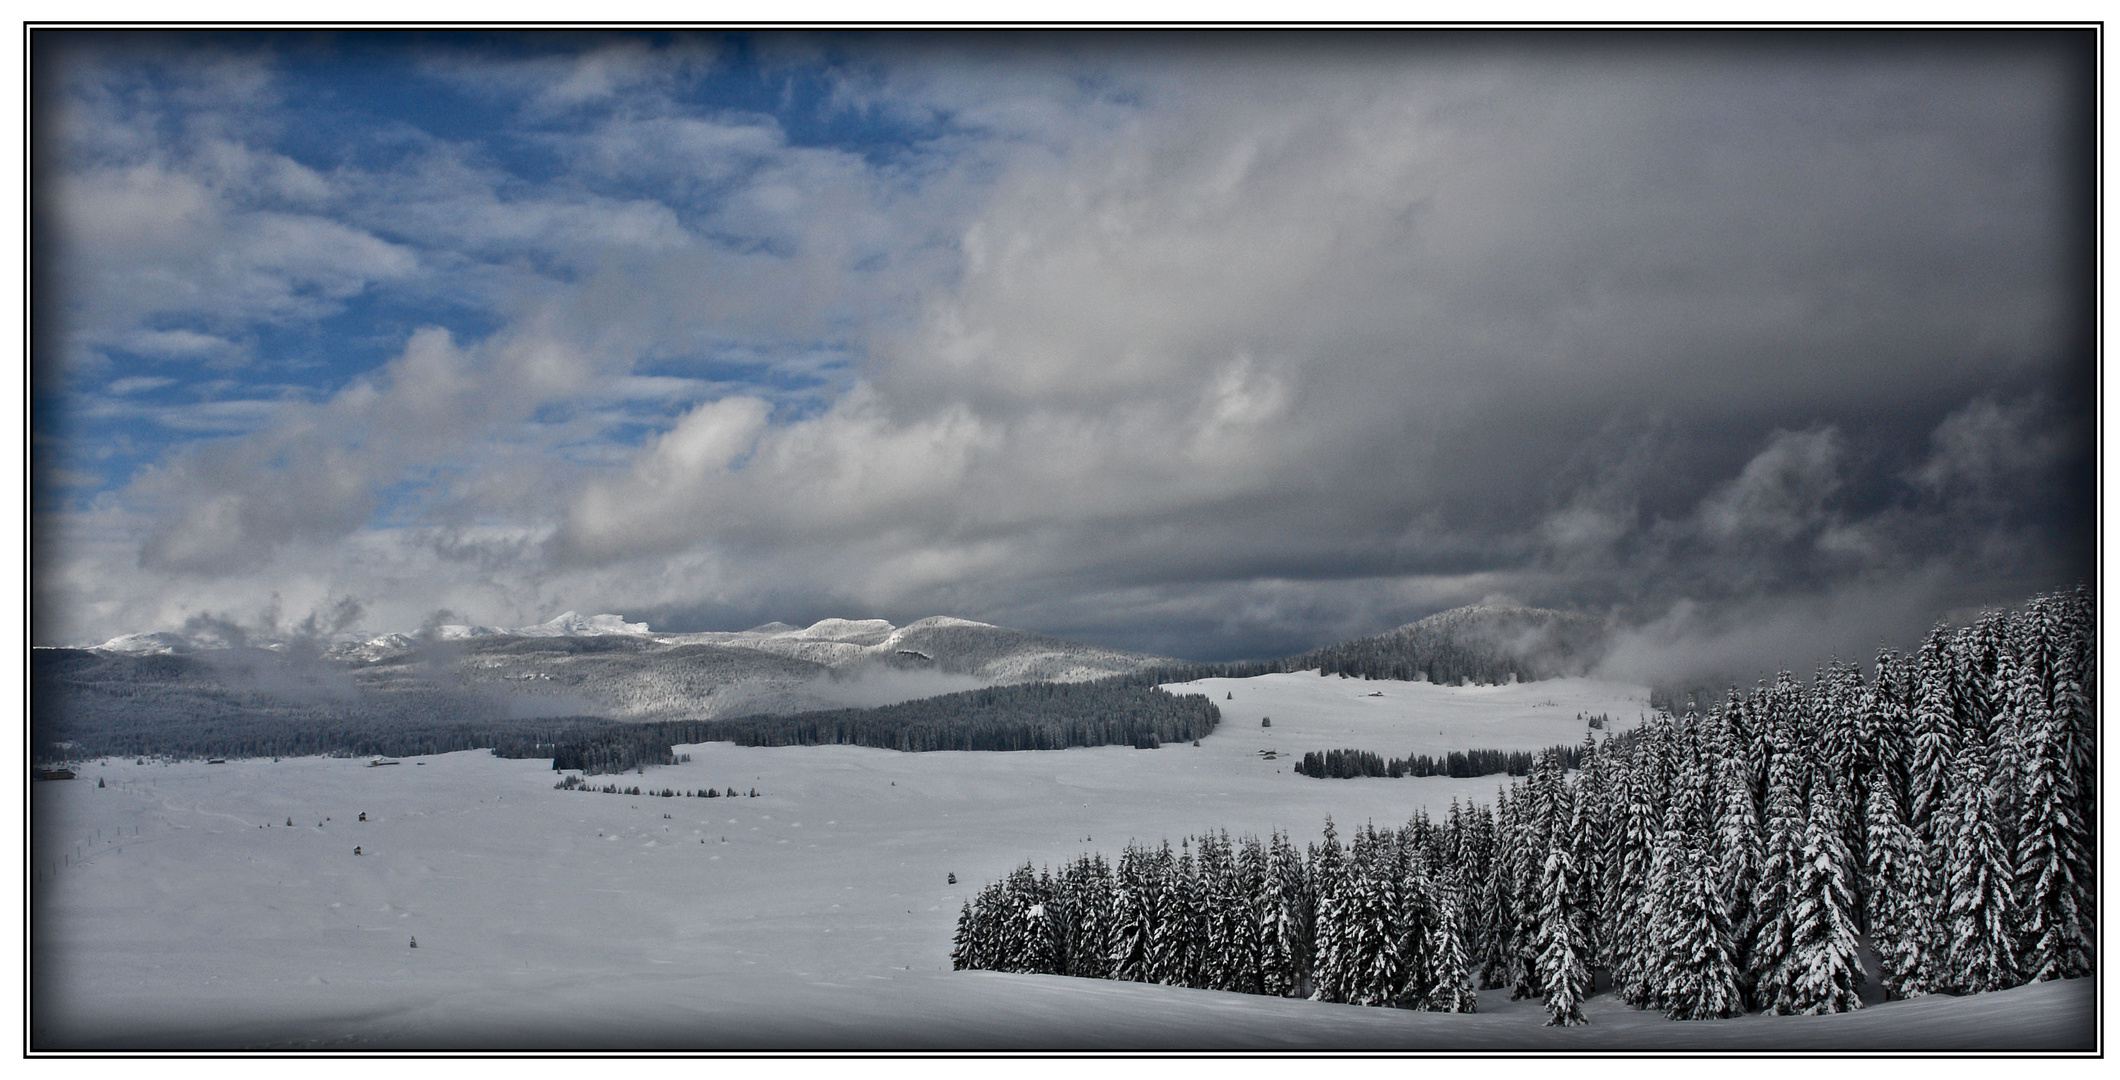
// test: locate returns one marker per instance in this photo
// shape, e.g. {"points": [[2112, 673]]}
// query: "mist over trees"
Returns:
{"points": [[1484, 644], [1725, 861]]}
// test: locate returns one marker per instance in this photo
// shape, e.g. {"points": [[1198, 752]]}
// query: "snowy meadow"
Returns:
{"points": [[176, 907]]}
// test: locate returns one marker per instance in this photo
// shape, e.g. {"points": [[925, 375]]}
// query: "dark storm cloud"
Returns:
{"points": [[1229, 346]]}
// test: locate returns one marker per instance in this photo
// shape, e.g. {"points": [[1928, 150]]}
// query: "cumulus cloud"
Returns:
{"points": [[1211, 349]]}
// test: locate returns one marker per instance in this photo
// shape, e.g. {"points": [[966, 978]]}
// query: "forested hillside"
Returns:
{"points": [[1480, 644], [1718, 862]]}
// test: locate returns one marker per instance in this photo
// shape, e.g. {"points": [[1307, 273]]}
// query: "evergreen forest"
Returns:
{"points": [[1939, 813], [1025, 716]]}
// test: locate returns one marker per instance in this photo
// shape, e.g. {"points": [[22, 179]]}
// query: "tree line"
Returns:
{"points": [[92, 705], [1716, 863], [1349, 764], [1026, 716]]}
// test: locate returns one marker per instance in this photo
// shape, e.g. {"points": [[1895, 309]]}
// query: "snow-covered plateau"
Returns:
{"points": [[196, 905]]}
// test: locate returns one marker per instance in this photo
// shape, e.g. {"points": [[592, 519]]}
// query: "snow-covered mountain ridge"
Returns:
{"points": [[576, 664]]}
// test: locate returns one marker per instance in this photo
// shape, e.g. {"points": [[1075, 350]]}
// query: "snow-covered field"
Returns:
{"points": [[1396, 719], [175, 907]]}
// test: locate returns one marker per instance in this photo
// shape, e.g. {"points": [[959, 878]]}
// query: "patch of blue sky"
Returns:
{"points": [[101, 435], [443, 83], [348, 98]]}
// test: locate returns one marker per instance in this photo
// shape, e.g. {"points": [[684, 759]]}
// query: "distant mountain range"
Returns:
{"points": [[604, 665], [448, 680]]}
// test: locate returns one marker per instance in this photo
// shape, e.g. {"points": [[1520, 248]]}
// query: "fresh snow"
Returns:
{"points": [[157, 642], [565, 624], [175, 908], [1397, 719]]}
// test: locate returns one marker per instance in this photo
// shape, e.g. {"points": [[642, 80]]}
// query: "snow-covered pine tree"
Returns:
{"points": [[1842, 714], [1540, 815], [1686, 817], [1285, 956], [1135, 894], [1562, 974], [1174, 946], [1373, 972], [2051, 930], [1331, 959], [965, 953], [1245, 905], [1496, 902], [1822, 969], [1698, 972], [1474, 862], [2057, 836], [1836, 695], [1225, 963], [1586, 825], [1450, 986], [1766, 955], [1090, 891], [1026, 944], [1980, 925], [1630, 905], [1934, 731], [1896, 895], [1740, 852]]}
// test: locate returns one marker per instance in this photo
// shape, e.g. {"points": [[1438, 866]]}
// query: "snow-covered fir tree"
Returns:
{"points": [[1896, 893], [1979, 925], [1821, 970], [1699, 964]]}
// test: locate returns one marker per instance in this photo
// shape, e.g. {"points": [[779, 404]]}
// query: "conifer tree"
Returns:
{"points": [[1562, 973], [1090, 898], [1766, 956], [2051, 860], [1173, 944], [1821, 969], [965, 952], [1629, 866], [1980, 925], [1586, 824], [1449, 984], [1537, 815], [1698, 973], [1934, 735], [1243, 902], [1225, 930], [1497, 902], [1135, 892], [1740, 847], [1897, 904], [1331, 958], [1372, 968], [1286, 950]]}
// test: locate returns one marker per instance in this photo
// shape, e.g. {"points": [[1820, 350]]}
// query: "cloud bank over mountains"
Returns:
{"points": [[1202, 346]]}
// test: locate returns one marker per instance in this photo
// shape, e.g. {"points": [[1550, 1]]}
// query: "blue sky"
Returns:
{"points": [[1211, 345]]}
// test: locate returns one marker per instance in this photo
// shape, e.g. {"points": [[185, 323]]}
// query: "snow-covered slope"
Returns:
{"points": [[566, 624], [177, 909], [150, 643]]}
